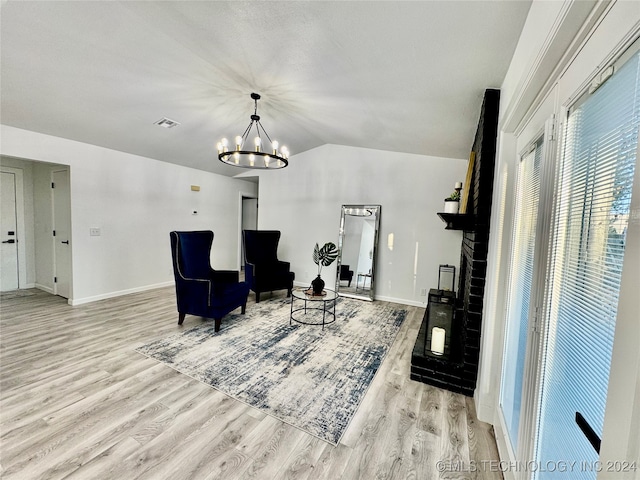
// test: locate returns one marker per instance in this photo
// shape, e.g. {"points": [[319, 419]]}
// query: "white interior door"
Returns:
{"points": [[8, 233], [62, 229], [249, 219], [249, 213]]}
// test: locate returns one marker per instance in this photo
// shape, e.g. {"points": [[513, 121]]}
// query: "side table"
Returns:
{"points": [[364, 277]]}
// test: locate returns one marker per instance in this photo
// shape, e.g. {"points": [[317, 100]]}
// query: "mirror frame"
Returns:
{"points": [[375, 212]]}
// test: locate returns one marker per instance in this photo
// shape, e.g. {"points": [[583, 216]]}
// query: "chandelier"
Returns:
{"points": [[261, 156]]}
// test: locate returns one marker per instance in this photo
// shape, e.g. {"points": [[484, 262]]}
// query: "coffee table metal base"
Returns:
{"points": [[325, 304]]}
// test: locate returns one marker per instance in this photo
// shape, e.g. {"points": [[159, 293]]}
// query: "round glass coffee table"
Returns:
{"points": [[314, 309]]}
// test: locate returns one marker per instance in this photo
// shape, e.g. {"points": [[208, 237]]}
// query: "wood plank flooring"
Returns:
{"points": [[77, 402]]}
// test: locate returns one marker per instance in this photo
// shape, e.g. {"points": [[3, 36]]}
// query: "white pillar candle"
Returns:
{"points": [[437, 340], [458, 185]]}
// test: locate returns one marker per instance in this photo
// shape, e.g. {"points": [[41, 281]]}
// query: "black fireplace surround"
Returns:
{"points": [[458, 370]]}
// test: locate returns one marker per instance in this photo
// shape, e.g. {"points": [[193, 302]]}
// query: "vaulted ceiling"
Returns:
{"points": [[399, 76]]}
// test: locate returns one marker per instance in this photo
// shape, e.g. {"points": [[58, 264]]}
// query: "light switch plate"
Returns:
{"points": [[94, 232]]}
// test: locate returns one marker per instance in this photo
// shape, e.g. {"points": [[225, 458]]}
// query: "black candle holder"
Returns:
{"points": [[439, 315]]}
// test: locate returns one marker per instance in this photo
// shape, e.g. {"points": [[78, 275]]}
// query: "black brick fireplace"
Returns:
{"points": [[458, 371]]}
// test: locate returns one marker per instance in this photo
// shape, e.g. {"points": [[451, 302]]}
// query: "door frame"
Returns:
{"points": [[532, 386], [53, 170], [543, 124], [241, 197], [20, 225]]}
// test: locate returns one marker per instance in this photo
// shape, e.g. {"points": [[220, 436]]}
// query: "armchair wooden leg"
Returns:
{"points": [[181, 317], [257, 297], [244, 308], [217, 326], [289, 292]]}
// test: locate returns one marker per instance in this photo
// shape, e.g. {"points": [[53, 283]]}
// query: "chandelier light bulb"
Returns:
{"points": [[241, 155]]}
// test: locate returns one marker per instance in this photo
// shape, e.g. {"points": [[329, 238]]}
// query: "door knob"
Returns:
{"points": [[65, 241], [11, 240]]}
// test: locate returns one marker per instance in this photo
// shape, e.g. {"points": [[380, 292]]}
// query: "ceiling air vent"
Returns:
{"points": [[167, 123]]}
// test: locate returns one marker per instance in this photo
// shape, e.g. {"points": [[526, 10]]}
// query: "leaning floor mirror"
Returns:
{"points": [[358, 243]]}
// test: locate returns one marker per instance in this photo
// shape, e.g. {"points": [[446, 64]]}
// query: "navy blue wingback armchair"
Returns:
{"points": [[201, 290], [346, 274], [263, 271]]}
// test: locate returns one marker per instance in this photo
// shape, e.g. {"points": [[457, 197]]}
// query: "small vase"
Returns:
{"points": [[451, 206], [317, 285]]}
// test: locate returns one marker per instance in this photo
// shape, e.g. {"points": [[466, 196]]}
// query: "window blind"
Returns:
{"points": [[592, 211], [520, 283]]}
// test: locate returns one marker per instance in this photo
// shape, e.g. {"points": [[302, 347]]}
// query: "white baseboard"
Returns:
{"points": [[44, 288], [401, 301], [484, 411], [504, 448], [81, 301]]}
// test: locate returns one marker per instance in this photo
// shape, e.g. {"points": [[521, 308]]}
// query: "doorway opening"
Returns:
{"points": [[33, 211], [248, 220]]}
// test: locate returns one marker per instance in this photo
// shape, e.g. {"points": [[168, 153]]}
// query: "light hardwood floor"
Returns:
{"points": [[77, 402]]}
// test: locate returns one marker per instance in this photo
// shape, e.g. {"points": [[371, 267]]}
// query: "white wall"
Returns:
{"points": [[562, 45], [304, 202], [136, 202]]}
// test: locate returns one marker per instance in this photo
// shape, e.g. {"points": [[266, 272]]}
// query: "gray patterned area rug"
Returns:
{"points": [[310, 378]]}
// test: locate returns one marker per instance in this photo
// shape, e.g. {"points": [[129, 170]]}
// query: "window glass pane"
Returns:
{"points": [[592, 212], [520, 283]]}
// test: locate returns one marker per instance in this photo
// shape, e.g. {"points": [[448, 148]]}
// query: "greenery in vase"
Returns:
{"points": [[325, 256], [455, 196]]}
